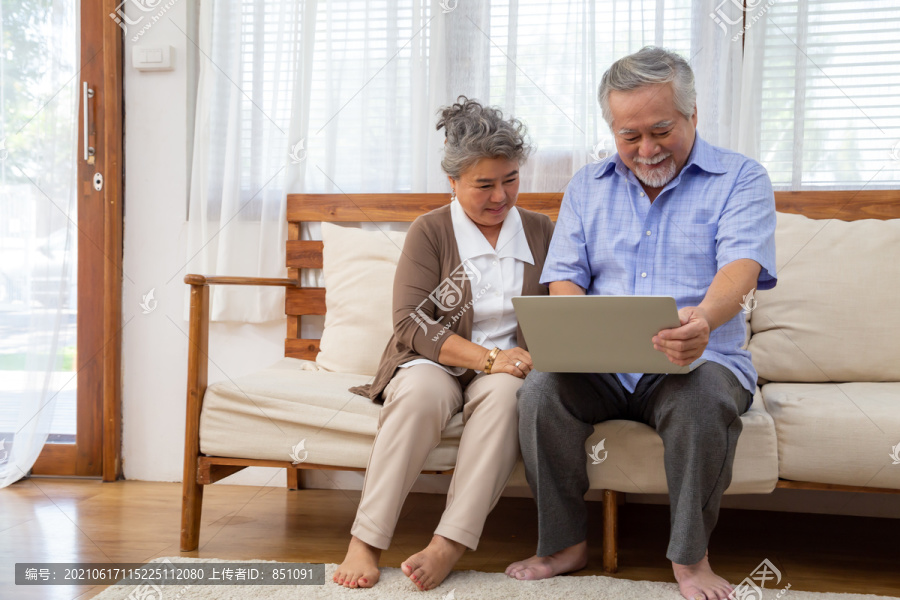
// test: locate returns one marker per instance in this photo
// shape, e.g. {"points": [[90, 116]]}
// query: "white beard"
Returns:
{"points": [[656, 178]]}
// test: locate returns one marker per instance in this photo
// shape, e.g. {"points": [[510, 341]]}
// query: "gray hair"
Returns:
{"points": [[649, 65], [474, 132]]}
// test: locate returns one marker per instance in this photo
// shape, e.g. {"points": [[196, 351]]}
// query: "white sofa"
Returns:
{"points": [[824, 341]]}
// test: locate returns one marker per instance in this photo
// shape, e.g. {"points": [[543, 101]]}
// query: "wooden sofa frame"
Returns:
{"points": [[200, 470]]}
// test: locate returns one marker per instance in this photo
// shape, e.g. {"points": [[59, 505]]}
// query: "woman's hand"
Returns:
{"points": [[460, 352], [514, 361]]}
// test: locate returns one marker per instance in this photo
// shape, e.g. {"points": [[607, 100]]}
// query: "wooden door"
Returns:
{"points": [[95, 451]]}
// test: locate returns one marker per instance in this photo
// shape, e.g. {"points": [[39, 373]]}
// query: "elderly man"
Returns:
{"points": [[671, 215]]}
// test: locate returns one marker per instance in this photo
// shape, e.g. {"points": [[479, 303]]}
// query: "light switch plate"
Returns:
{"points": [[153, 58]]}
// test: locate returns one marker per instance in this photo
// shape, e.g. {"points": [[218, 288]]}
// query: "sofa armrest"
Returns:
{"points": [[198, 353], [198, 347], [226, 280], [198, 360]]}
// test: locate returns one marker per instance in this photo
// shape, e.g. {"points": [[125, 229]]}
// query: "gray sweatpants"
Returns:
{"points": [[696, 414]]}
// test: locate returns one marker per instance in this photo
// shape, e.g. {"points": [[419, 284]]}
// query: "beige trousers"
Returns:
{"points": [[419, 402]]}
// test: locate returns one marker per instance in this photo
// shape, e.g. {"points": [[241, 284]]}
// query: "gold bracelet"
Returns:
{"points": [[492, 356]]}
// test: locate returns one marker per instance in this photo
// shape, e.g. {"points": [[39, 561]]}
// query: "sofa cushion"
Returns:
{"points": [[841, 433], [266, 414], [632, 457], [358, 268], [832, 316]]}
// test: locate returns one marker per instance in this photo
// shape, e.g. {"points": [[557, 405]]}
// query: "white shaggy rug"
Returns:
{"points": [[460, 585]]}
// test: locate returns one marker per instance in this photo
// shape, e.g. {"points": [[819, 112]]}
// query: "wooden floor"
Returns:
{"points": [[59, 520]]}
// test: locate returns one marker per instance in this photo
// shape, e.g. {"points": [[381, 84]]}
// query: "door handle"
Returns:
{"points": [[88, 150]]}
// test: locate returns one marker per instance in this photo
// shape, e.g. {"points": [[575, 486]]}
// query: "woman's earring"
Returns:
{"points": [[452, 194]]}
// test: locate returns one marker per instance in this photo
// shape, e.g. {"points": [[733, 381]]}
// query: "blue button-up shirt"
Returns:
{"points": [[610, 240]]}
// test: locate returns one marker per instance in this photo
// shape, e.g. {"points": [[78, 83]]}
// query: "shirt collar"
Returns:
{"points": [[702, 155], [511, 243]]}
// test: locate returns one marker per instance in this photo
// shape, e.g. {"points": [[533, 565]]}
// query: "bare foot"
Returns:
{"points": [[428, 568], [360, 566], [698, 582], [570, 559]]}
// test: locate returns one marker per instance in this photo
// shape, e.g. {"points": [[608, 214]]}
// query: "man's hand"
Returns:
{"points": [[683, 345]]}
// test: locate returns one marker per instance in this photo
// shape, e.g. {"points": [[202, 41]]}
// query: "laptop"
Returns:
{"points": [[598, 334]]}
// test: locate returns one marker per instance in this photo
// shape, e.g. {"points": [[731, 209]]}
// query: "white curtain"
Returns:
{"points": [[305, 96], [38, 201]]}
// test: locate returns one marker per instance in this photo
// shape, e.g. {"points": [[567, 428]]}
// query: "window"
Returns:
{"points": [[824, 108], [830, 115]]}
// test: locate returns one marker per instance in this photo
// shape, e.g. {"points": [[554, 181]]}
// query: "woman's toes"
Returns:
{"points": [[420, 577], [412, 568]]}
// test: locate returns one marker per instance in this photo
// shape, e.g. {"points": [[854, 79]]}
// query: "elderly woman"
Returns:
{"points": [[456, 347]]}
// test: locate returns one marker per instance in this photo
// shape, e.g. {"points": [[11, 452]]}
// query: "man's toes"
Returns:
{"points": [[721, 592]]}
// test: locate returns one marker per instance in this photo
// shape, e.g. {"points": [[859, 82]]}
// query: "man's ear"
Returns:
{"points": [[694, 116]]}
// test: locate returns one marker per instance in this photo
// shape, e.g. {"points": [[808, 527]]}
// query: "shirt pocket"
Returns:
{"points": [[693, 255]]}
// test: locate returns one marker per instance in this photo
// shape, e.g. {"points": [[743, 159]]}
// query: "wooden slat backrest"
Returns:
{"points": [[404, 208]]}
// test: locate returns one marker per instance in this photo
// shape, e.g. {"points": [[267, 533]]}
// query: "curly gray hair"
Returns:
{"points": [[474, 132], [649, 65]]}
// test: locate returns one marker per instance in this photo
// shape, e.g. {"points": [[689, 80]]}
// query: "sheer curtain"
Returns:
{"points": [[38, 201], [341, 97]]}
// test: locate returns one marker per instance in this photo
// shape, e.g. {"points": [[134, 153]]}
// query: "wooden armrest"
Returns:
{"points": [[204, 280]]}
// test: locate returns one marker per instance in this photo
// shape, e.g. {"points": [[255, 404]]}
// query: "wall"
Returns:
{"points": [[158, 128], [158, 132]]}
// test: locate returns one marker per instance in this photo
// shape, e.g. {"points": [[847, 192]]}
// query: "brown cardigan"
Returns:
{"points": [[429, 260]]}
